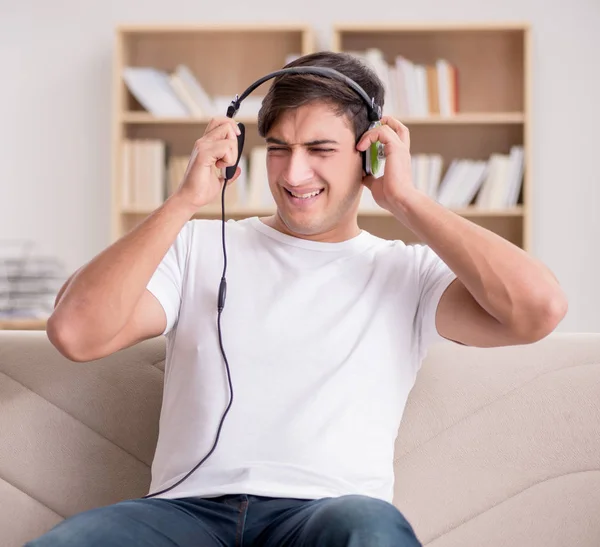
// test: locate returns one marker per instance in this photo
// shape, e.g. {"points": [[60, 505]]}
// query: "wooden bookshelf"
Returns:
{"points": [[493, 63], [22, 324], [224, 58]]}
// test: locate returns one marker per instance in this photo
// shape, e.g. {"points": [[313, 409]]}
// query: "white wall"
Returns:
{"points": [[55, 116]]}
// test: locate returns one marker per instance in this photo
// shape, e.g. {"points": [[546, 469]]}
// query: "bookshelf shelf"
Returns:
{"points": [[204, 29], [22, 324], [473, 212], [466, 119], [431, 27], [492, 61], [469, 118], [143, 118], [249, 212]]}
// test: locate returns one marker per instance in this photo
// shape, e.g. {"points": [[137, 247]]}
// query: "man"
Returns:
{"points": [[325, 330]]}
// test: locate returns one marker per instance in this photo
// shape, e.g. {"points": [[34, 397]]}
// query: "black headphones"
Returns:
{"points": [[372, 165], [371, 158]]}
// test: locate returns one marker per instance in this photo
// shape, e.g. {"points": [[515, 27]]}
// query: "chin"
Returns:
{"points": [[307, 226], [318, 220]]}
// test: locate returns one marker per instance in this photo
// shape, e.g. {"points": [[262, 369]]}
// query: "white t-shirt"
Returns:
{"points": [[323, 340]]}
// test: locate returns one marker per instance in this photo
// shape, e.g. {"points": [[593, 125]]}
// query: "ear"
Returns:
{"points": [[363, 160]]}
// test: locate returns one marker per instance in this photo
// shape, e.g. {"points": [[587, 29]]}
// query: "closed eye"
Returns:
{"points": [[276, 149], [318, 150]]}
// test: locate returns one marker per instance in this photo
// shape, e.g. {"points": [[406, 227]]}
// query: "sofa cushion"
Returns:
{"points": [[491, 435], [75, 435], [497, 446]]}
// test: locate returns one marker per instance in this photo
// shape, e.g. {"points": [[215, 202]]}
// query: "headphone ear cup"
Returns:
{"points": [[374, 157], [374, 160], [230, 171]]}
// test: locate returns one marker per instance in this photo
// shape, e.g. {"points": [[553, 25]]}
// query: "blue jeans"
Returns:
{"points": [[238, 520]]}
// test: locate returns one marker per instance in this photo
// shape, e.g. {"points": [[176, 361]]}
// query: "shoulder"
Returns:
{"points": [[418, 254], [413, 262], [399, 251], [205, 232], [200, 226]]}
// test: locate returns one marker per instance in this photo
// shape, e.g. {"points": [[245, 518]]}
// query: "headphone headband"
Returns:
{"points": [[374, 110]]}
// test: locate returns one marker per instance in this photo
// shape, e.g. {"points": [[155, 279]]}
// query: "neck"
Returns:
{"points": [[339, 233]]}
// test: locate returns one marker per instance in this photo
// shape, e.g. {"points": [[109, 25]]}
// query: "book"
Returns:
{"points": [[152, 89]]}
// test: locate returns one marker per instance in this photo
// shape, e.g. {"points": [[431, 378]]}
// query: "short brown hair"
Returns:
{"points": [[294, 90]]}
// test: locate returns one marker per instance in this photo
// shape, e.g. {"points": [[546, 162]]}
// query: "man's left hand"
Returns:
{"points": [[396, 183]]}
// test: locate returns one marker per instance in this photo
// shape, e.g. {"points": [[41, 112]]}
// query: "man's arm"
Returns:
{"points": [[105, 306], [502, 295]]}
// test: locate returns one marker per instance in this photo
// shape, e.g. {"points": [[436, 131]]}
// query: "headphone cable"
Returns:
{"points": [[220, 306]]}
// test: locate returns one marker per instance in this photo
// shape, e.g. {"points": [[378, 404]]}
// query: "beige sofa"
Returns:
{"points": [[498, 447]]}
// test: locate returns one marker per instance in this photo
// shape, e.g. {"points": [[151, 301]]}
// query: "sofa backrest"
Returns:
{"points": [[497, 446], [74, 435], [502, 446]]}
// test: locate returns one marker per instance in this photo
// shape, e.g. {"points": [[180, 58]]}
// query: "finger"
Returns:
{"points": [[226, 159], [225, 154], [382, 133], [238, 172], [220, 174], [400, 129], [223, 131], [368, 181], [212, 152], [216, 121], [217, 133]]}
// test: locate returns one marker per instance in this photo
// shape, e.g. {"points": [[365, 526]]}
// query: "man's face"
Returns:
{"points": [[315, 174]]}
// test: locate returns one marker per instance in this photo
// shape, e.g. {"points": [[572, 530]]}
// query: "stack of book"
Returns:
{"points": [[180, 94], [414, 89], [491, 184], [29, 282], [150, 175]]}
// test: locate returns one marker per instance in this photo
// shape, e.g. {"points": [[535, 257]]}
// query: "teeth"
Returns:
{"points": [[305, 196]]}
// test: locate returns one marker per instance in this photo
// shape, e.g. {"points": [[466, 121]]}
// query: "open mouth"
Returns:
{"points": [[303, 198]]}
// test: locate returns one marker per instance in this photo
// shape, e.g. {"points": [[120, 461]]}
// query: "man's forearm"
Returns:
{"points": [[512, 286]]}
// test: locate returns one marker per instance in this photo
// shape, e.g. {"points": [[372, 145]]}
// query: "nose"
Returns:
{"points": [[298, 169]]}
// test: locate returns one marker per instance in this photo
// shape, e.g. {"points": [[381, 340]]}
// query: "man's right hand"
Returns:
{"points": [[106, 306], [215, 150]]}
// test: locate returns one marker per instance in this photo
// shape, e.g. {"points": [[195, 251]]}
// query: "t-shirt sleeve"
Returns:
{"points": [[433, 278], [166, 284]]}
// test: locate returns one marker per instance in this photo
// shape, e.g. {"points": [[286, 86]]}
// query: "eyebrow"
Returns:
{"points": [[273, 140]]}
